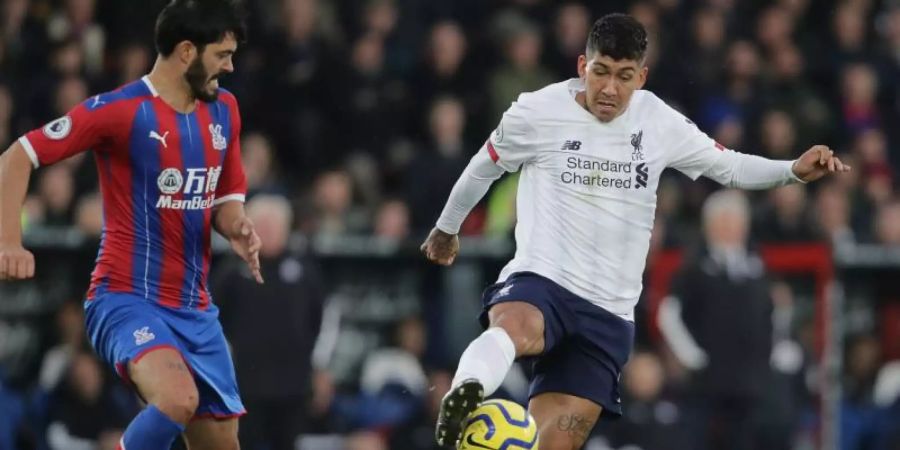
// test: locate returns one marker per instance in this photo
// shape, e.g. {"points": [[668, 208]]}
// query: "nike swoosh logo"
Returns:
{"points": [[475, 444]]}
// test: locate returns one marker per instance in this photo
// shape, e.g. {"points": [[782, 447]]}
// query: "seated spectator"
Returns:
{"points": [[859, 94], [392, 220], [398, 363], [435, 168], [418, 432], [87, 414], [89, 215], [56, 194], [446, 71], [333, 199], [76, 21], [522, 72], [6, 110], [392, 381], [778, 135], [862, 419], [652, 420], [833, 215], [70, 331], [887, 225], [133, 62], [785, 218], [257, 155], [570, 32]]}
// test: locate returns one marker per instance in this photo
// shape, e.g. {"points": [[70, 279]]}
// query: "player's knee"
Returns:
{"points": [[524, 323], [528, 338], [164, 380], [179, 404]]}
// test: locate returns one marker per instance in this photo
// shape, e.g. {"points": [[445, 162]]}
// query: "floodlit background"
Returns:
{"points": [[358, 117]]}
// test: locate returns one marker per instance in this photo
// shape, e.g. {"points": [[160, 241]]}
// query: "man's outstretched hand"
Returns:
{"points": [[817, 162], [441, 247], [246, 243]]}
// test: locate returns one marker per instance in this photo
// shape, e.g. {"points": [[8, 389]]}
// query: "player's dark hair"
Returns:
{"points": [[618, 36], [201, 22]]}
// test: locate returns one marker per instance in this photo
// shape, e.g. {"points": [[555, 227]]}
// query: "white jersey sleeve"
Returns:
{"points": [[509, 147], [692, 152], [512, 144], [739, 170], [468, 191]]}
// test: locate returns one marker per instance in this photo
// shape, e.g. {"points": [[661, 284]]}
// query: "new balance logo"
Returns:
{"points": [[155, 135], [640, 180], [143, 336], [571, 145]]}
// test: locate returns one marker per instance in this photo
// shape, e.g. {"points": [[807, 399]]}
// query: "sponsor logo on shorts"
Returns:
{"points": [[504, 291], [143, 336]]}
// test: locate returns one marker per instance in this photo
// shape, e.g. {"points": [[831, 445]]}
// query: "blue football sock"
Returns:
{"points": [[151, 430]]}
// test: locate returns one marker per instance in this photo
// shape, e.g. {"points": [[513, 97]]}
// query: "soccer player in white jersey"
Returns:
{"points": [[591, 151]]}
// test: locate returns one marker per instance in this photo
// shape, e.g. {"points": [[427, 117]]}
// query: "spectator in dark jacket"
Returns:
{"points": [[718, 322], [272, 328], [431, 173]]}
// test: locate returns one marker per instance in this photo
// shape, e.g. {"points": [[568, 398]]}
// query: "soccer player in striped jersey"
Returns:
{"points": [[591, 151], [168, 156]]}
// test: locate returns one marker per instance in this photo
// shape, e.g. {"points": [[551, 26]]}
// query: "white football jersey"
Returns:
{"points": [[587, 190]]}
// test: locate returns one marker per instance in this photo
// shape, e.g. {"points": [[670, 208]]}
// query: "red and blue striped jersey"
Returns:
{"points": [[161, 174]]}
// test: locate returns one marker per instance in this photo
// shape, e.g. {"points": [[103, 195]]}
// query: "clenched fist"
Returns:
{"points": [[441, 247], [16, 263]]}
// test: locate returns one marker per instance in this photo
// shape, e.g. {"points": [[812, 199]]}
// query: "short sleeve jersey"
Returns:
{"points": [[161, 174]]}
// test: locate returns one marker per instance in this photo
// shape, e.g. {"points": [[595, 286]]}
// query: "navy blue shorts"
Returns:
{"points": [[125, 327], [585, 346]]}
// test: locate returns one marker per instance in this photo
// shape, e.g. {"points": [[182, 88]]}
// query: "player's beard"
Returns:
{"points": [[198, 79]]}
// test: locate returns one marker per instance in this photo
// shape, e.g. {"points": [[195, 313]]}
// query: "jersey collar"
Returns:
{"points": [[146, 80]]}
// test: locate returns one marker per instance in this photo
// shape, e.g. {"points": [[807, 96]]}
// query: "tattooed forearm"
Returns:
{"points": [[575, 425]]}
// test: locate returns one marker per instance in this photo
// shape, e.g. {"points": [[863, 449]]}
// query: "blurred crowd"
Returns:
{"points": [[358, 117]]}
